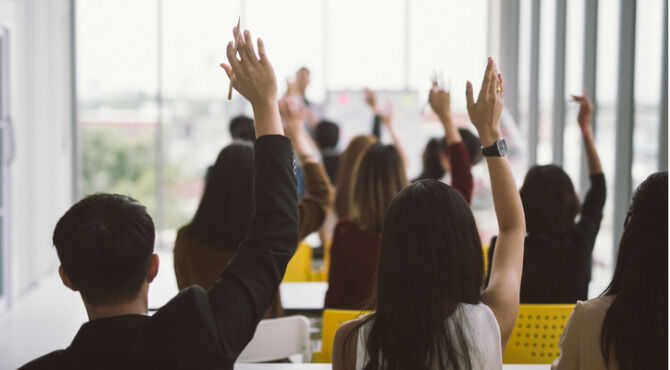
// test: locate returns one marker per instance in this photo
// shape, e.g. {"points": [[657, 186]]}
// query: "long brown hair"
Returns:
{"points": [[379, 177], [345, 172]]}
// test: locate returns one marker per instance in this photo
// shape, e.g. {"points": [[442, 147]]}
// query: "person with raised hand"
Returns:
{"points": [[384, 117], [457, 153], [557, 259], [105, 245], [430, 311]]}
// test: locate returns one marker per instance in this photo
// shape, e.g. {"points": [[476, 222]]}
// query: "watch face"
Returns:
{"points": [[502, 146]]}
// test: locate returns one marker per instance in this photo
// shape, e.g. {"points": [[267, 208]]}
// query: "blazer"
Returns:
{"points": [[198, 328]]}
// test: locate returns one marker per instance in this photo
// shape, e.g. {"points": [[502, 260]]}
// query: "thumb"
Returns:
{"points": [[469, 98]]}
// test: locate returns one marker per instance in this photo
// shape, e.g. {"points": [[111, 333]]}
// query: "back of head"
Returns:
{"points": [[429, 262], [635, 328], [432, 166], [550, 202], [379, 177], [345, 171], [242, 128], [472, 144], [227, 204], [327, 134], [105, 243]]}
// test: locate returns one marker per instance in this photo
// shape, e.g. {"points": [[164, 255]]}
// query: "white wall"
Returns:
{"points": [[40, 176]]}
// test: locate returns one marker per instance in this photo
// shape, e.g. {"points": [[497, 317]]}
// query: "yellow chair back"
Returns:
{"points": [[332, 319], [485, 251], [538, 328], [299, 267]]}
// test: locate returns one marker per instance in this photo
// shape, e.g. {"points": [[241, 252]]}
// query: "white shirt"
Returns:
{"points": [[480, 328]]}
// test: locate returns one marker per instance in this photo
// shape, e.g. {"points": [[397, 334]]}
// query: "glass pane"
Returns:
{"points": [[116, 84], [605, 119], [547, 52], [648, 34], [574, 56], [365, 44]]}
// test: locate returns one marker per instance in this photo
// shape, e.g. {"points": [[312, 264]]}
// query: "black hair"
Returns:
{"points": [[432, 168], [550, 202], [429, 263], [635, 327], [327, 134], [227, 204], [105, 243], [242, 128], [472, 144]]}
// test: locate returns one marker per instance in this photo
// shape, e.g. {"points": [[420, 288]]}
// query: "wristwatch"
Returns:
{"points": [[498, 149]]}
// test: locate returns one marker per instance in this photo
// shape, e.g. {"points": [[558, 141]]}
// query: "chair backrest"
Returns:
{"points": [[280, 338], [332, 319], [485, 252], [538, 328], [299, 267]]}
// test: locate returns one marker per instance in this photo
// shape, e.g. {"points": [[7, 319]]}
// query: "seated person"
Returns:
{"points": [[627, 326], [105, 245], [453, 154], [204, 246], [345, 172], [380, 175], [242, 128], [327, 134], [557, 254], [430, 310]]}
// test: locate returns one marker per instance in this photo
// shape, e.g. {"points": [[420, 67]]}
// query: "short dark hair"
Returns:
{"points": [[105, 243], [327, 134], [550, 202], [242, 127]]}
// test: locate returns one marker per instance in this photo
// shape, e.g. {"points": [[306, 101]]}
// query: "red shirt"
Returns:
{"points": [[353, 266]]}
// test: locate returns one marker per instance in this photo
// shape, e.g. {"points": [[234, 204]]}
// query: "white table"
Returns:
{"points": [[328, 366], [307, 296]]}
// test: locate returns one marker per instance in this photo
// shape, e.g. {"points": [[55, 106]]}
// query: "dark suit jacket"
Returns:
{"points": [[201, 329]]}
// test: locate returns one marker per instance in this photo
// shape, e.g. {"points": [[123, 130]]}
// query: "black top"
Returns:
{"points": [[558, 269], [201, 329], [331, 160]]}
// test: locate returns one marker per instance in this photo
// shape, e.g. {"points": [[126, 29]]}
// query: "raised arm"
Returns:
{"points": [[249, 283], [385, 118], [592, 208], [502, 293], [459, 158], [318, 196]]}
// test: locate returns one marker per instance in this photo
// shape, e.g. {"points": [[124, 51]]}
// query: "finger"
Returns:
{"points": [[241, 47], [483, 90], [495, 84], [232, 58], [229, 71], [502, 84], [261, 51], [469, 98], [249, 47], [584, 92]]}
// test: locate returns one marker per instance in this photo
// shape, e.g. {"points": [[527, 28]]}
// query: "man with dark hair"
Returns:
{"points": [[242, 128], [327, 134], [105, 244]]}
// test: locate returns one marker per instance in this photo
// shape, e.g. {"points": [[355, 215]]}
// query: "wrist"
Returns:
{"points": [[263, 104], [489, 138]]}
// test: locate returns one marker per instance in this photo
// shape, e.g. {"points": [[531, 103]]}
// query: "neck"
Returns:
{"points": [[138, 306]]}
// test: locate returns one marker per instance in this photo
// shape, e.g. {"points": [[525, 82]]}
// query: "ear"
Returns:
{"points": [[153, 269], [65, 279]]}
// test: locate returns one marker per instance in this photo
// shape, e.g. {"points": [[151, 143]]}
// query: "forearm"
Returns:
{"points": [[451, 133], [317, 200], [266, 117], [506, 199], [396, 141], [304, 147], [461, 174], [377, 126], [592, 159]]}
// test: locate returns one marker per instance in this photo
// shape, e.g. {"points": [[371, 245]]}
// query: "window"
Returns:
{"points": [[5, 135], [547, 53]]}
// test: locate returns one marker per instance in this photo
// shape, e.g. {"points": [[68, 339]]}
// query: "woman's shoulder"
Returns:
{"points": [[593, 308]]}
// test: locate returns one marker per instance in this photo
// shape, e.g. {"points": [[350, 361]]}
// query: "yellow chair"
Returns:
{"points": [[538, 328], [299, 267], [332, 319], [485, 251]]}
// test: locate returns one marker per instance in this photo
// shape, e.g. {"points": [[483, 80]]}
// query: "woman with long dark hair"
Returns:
{"points": [[557, 258], [204, 246], [430, 310], [627, 326]]}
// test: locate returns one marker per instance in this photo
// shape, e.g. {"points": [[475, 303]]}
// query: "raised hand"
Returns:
{"points": [[440, 101], [485, 113], [253, 76], [370, 99], [585, 110], [292, 116]]}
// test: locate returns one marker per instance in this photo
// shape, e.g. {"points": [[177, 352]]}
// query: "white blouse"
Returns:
{"points": [[480, 328]]}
